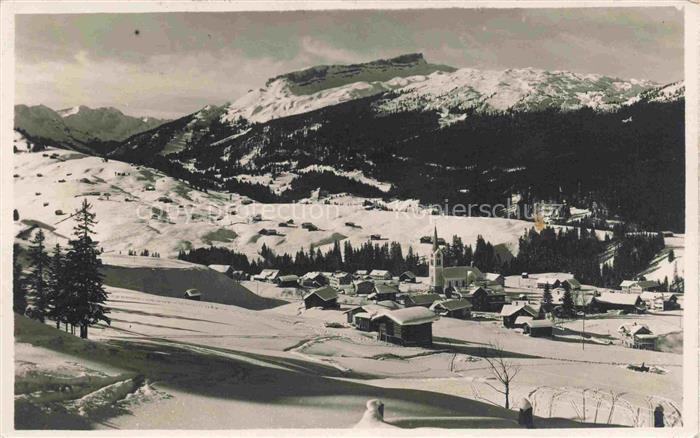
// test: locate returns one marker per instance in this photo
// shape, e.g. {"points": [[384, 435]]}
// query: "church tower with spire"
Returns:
{"points": [[436, 265]]}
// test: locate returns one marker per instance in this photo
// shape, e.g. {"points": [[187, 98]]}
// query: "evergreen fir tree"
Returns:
{"points": [[19, 294], [671, 256], [36, 280], [547, 298], [87, 294], [567, 303], [56, 294]]}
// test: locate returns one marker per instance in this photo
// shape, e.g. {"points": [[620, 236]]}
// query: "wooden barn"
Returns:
{"points": [[455, 308], [372, 309], [407, 327], [407, 277], [627, 302], [484, 299], [193, 294], [313, 279], [325, 297], [424, 300], [538, 328], [383, 292], [288, 281], [363, 287], [340, 279], [511, 312], [380, 274], [659, 301]]}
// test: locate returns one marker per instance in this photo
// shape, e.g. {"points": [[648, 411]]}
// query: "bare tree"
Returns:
{"points": [[501, 368]]}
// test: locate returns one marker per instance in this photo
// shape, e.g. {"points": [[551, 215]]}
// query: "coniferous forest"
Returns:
{"points": [[64, 286]]}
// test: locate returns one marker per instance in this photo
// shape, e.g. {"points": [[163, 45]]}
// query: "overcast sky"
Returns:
{"points": [[171, 64]]}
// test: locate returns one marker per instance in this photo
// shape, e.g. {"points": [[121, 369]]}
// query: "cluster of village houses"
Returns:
{"points": [[406, 318]]}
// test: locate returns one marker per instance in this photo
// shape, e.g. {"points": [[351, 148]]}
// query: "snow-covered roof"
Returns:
{"points": [[388, 304], [634, 329], [627, 283], [220, 268], [618, 298], [193, 293], [410, 316], [511, 309], [287, 278], [491, 276], [379, 273], [451, 305], [326, 293], [423, 298], [408, 274], [539, 323], [385, 289]]}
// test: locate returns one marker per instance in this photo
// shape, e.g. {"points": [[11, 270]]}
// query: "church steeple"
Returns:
{"points": [[435, 239]]}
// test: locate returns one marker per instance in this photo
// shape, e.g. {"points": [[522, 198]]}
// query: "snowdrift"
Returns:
{"points": [[171, 278]]}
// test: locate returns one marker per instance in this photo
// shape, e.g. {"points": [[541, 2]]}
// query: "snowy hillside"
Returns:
{"points": [[174, 216]]}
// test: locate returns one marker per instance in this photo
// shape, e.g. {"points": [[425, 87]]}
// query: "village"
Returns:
{"points": [[401, 307]]}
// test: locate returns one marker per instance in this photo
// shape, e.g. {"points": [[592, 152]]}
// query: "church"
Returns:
{"points": [[452, 277]]}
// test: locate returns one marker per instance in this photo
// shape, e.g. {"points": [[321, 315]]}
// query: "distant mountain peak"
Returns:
{"points": [[321, 77]]}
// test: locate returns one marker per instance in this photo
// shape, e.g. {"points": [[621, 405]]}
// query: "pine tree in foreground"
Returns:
{"points": [[19, 294], [85, 303], [36, 280], [56, 299]]}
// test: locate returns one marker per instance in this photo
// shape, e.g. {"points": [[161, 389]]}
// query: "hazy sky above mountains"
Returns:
{"points": [[171, 64]]}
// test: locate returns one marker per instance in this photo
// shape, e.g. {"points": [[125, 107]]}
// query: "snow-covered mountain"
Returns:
{"points": [[79, 127], [436, 88]]}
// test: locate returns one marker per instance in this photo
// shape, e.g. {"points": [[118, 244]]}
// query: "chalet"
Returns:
{"points": [[269, 275], [626, 284], [639, 286], [407, 277], [659, 300], [325, 297], [510, 312], [407, 327], [426, 239], [538, 328], [363, 287], [227, 270], [340, 279], [383, 292], [313, 279], [629, 303], [483, 299], [454, 308], [267, 232], [288, 281], [361, 273], [380, 274], [375, 237], [193, 294], [370, 310], [424, 300], [644, 286], [638, 336]]}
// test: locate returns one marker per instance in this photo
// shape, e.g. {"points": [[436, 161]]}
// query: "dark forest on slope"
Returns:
{"points": [[631, 160]]}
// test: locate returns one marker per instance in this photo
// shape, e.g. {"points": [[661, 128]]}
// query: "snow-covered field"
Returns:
{"points": [[184, 364], [173, 216]]}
